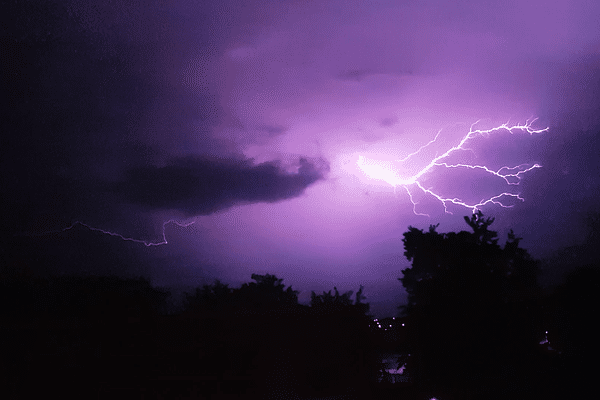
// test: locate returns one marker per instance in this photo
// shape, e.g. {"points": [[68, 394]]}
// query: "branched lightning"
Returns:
{"points": [[148, 244], [386, 171], [382, 170]]}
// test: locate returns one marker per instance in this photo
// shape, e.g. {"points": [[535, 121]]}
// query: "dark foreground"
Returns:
{"points": [[105, 338]]}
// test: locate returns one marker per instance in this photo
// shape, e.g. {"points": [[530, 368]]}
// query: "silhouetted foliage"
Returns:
{"points": [[472, 304], [266, 291], [328, 303], [113, 333], [80, 297], [209, 296], [341, 348], [571, 311], [76, 328]]}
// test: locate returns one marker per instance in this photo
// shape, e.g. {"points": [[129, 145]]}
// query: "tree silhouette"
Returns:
{"points": [[84, 328], [110, 332], [480, 228], [571, 310], [471, 304], [266, 291], [327, 302], [209, 296], [340, 348]]}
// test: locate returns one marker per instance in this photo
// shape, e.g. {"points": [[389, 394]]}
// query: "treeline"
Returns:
{"points": [[106, 337], [481, 326], [478, 325]]}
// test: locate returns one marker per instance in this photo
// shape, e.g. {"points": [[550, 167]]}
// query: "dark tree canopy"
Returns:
{"points": [[471, 301], [210, 296], [327, 303], [266, 291], [473, 262]]}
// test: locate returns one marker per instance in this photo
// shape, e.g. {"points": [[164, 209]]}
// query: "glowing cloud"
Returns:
{"points": [[390, 171]]}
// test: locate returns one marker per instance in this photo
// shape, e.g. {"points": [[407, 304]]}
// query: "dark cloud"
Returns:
{"points": [[123, 115], [95, 104], [273, 130], [260, 135], [72, 115], [389, 121], [354, 74], [200, 186], [360, 74]]}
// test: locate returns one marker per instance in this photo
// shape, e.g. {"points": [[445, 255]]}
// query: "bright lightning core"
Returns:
{"points": [[410, 171]]}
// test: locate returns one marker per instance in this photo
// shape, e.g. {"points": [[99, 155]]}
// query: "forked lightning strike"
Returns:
{"points": [[382, 170], [148, 244]]}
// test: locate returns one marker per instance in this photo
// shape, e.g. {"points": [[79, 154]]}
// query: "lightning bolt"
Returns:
{"points": [[146, 243], [386, 171]]}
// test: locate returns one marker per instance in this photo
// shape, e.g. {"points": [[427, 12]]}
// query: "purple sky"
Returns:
{"points": [[247, 118]]}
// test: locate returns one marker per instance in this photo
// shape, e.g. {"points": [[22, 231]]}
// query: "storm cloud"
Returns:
{"points": [[101, 114], [196, 186], [244, 116]]}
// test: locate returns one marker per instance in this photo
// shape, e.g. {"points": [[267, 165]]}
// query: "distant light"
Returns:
{"points": [[375, 320], [402, 324], [393, 317], [390, 326]]}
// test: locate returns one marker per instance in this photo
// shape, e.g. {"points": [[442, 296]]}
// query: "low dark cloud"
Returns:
{"points": [[200, 186], [389, 121], [95, 108], [360, 74], [273, 130], [354, 74]]}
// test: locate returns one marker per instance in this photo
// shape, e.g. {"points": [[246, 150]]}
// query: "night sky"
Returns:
{"points": [[248, 118]]}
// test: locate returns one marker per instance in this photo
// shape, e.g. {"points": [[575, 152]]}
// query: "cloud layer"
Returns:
{"points": [[200, 186]]}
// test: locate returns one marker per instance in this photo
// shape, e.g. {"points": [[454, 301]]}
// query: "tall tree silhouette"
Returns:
{"points": [[472, 304]]}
